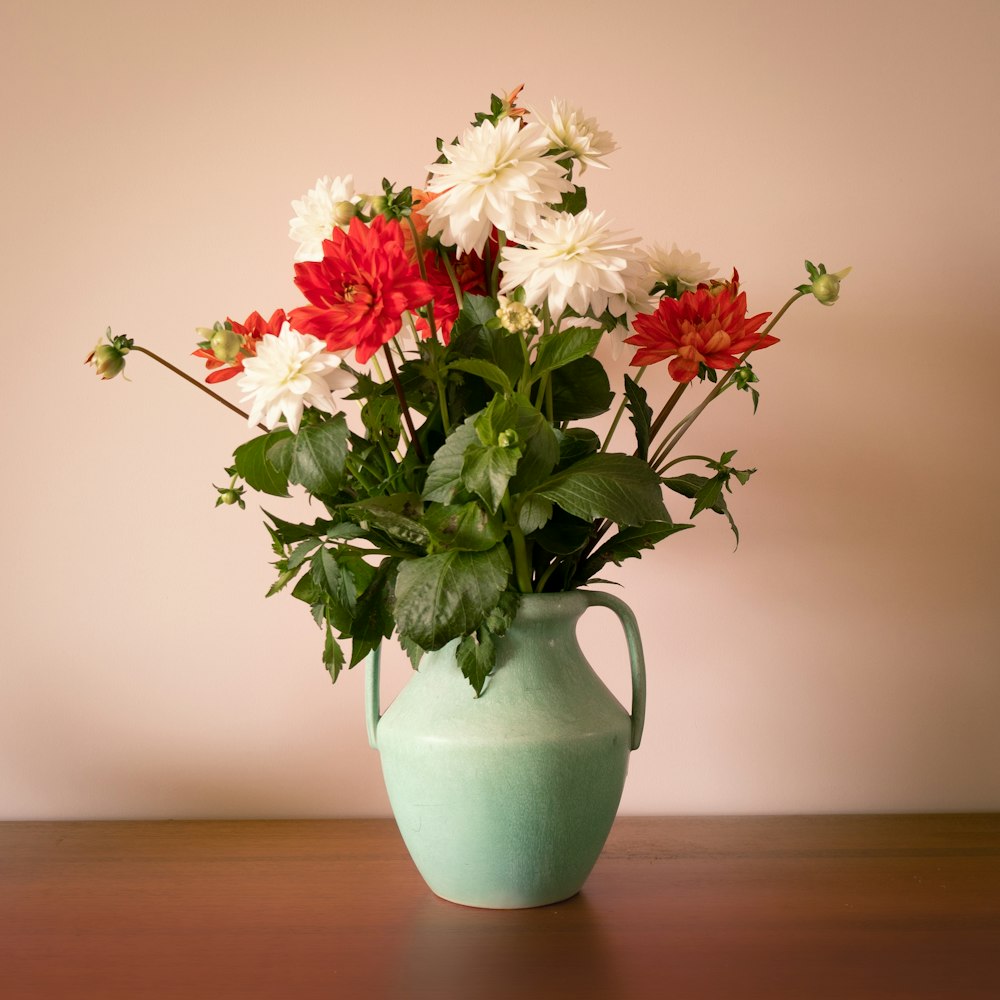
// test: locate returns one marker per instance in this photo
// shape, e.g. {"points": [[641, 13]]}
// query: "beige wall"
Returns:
{"points": [[845, 658]]}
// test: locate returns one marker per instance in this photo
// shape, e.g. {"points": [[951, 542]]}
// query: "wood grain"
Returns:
{"points": [[810, 907]]}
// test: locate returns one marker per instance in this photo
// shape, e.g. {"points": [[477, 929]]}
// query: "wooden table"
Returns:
{"points": [[844, 907]]}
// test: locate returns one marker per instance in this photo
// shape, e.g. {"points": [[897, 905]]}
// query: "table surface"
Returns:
{"points": [[809, 907]]}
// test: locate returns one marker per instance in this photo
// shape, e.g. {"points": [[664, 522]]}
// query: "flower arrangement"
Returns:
{"points": [[462, 320]]}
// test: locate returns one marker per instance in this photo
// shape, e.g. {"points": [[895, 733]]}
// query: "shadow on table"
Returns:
{"points": [[553, 951]]}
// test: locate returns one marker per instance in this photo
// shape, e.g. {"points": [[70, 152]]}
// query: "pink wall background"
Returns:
{"points": [[845, 658]]}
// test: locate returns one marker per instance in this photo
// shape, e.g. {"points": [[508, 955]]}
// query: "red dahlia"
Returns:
{"points": [[360, 289], [250, 331], [708, 326]]}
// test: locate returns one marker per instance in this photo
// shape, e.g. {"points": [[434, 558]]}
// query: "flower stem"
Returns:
{"points": [[495, 273], [453, 278], [195, 382], [404, 407], [522, 566]]}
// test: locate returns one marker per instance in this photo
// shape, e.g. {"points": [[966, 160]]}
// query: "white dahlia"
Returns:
{"points": [[290, 372], [572, 260], [576, 135], [496, 175], [683, 266], [321, 210]]}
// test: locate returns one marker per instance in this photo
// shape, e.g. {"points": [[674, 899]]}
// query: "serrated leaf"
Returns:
{"points": [[620, 488], [255, 467], [333, 655], [396, 515], [533, 514], [414, 651], [300, 552], [641, 415], [284, 578], [444, 475], [476, 658], [487, 371], [442, 597], [580, 390], [556, 350], [486, 471], [373, 610], [466, 527], [628, 543], [318, 456]]}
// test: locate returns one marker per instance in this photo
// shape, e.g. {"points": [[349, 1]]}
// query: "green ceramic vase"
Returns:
{"points": [[506, 800]]}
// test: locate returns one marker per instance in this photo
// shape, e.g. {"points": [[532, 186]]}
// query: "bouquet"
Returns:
{"points": [[459, 323]]}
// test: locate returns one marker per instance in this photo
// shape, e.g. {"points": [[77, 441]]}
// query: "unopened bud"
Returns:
{"points": [[107, 360], [826, 287], [343, 212], [508, 439], [225, 344], [378, 204], [229, 497]]}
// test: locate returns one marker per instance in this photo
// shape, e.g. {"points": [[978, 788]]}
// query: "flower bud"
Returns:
{"points": [[826, 287], [229, 497], [107, 360], [343, 212], [225, 344], [508, 439], [379, 204]]}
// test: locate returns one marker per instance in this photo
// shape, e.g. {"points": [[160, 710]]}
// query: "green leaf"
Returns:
{"points": [[287, 533], [502, 616], [396, 515], [333, 655], [318, 456], [487, 470], [580, 390], [442, 597], [373, 611], [284, 578], [466, 527], [707, 494], [444, 475], [574, 201], [534, 512], [255, 466], [576, 443], [641, 415], [556, 350], [487, 371], [618, 487], [476, 658], [414, 651], [628, 543], [301, 552]]}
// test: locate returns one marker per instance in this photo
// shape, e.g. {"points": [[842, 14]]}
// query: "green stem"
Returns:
{"points": [[621, 411], [419, 251], [453, 278], [195, 382], [495, 274], [522, 566], [404, 407]]}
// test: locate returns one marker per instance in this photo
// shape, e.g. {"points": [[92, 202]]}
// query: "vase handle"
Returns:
{"points": [[635, 655], [373, 700]]}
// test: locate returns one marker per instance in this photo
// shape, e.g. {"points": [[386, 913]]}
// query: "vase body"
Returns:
{"points": [[506, 800]]}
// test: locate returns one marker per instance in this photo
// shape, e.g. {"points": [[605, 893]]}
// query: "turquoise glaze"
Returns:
{"points": [[506, 800]]}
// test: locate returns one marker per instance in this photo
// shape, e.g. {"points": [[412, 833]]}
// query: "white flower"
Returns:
{"points": [[571, 260], [290, 372], [497, 175], [570, 130], [319, 212], [683, 266]]}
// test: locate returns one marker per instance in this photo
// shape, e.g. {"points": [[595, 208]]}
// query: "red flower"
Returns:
{"points": [[470, 273], [250, 331], [360, 289], [707, 326]]}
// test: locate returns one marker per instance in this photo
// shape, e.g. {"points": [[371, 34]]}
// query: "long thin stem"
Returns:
{"points": [[403, 405], [453, 278], [194, 382]]}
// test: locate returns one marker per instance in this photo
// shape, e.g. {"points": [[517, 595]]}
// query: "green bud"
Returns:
{"points": [[508, 439], [107, 360], [826, 287], [225, 344], [343, 212], [229, 497], [379, 204]]}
